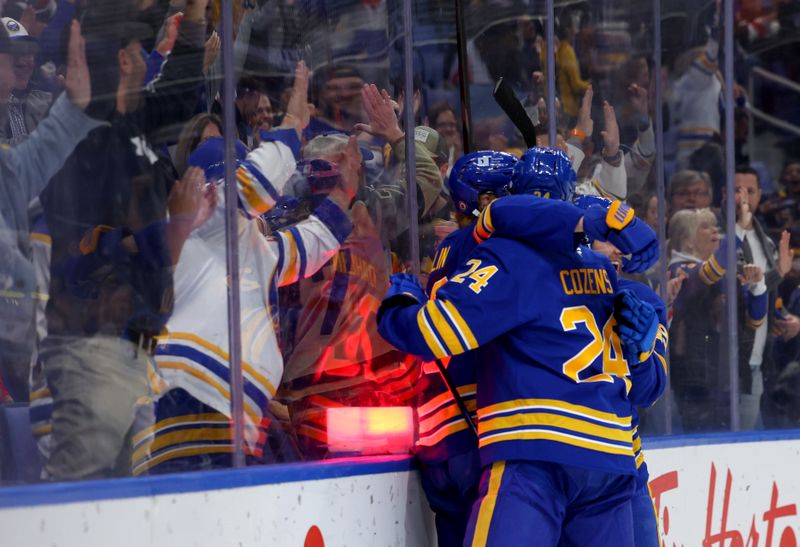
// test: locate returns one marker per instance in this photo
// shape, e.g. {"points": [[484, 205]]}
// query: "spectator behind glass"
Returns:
{"points": [[27, 106], [24, 172], [192, 355], [196, 131], [336, 93], [689, 190], [571, 86], [782, 212], [334, 354], [262, 120], [444, 119], [700, 376], [755, 363], [113, 246]]}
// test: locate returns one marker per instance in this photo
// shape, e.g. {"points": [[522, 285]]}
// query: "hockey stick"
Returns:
{"points": [[448, 381], [505, 98]]}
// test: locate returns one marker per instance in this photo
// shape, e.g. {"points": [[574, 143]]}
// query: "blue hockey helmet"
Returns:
{"points": [[585, 201], [479, 173], [544, 172], [210, 157]]}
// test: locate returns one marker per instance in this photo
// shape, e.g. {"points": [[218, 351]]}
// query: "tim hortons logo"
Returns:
{"points": [[771, 526]]}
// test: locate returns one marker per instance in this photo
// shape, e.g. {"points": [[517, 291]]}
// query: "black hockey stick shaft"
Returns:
{"points": [[463, 76], [451, 387], [505, 98]]}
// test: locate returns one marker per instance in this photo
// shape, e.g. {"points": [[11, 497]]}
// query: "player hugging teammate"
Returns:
{"points": [[551, 349]]}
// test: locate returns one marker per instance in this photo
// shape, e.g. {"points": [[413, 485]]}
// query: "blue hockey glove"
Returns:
{"points": [[618, 225], [404, 289], [637, 325]]}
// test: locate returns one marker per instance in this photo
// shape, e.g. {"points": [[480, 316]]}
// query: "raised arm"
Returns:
{"points": [[36, 160]]}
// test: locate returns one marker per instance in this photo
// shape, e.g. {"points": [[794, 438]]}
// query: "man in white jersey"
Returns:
{"points": [[192, 425]]}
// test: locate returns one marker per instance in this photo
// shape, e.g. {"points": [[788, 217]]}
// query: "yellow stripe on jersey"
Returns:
{"points": [[484, 227], [39, 394], [181, 453], [47, 429], [443, 328], [249, 190], [486, 510], [448, 412], [464, 391], [639, 459], [554, 420], [178, 420], [249, 409], [42, 238], [441, 433], [430, 337], [463, 330], [556, 436], [182, 436], [545, 404], [436, 286], [637, 444], [223, 355], [291, 272]]}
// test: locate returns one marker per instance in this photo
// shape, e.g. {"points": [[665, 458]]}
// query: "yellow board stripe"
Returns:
{"points": [[481, 534], [445, 331], [555, 436], [574, 425], [579, 410], [430, 338], [462, 328]]}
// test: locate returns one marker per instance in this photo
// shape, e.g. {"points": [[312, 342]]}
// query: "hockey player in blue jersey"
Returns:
{"points": [[447, 448], [554, 420]]}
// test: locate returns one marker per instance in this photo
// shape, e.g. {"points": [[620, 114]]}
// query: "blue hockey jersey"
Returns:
{"points": [[552, 381], [443, 431], [648, 379]]}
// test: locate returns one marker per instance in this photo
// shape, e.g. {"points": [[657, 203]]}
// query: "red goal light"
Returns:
{"points": [[370, 430]]}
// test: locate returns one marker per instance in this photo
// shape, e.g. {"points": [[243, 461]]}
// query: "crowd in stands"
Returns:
{"points": [[113, 306]]}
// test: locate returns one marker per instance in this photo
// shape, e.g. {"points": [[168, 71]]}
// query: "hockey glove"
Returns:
{"points": [[404, 289], [618, 225], [637, 326]]}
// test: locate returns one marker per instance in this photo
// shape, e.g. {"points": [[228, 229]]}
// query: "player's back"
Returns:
{"points": [[551, 386]]}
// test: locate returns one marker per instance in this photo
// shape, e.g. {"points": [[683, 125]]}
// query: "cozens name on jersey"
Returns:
{"points": [[585, 281]]}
